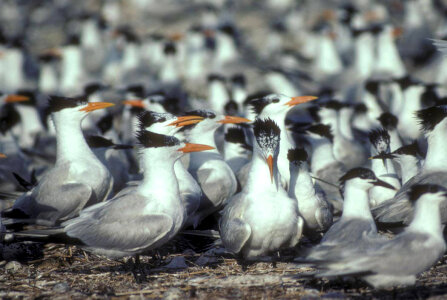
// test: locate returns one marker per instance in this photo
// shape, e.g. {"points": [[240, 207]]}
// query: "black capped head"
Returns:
{"points": [[255, 96], [376, 29], [380, 139], [360, 108], [148, 139], [418, 190], [267, 134], [236, 135], [228, 29], [333, 104], [137, 90], [58, 103], [321, 130], [73, 40], [216, 77], [373, 86], [238, 80], [92, 88], [105, 123], [207, 114], [9, 117], [430, 117], [148, 118], [297, 156], [406, 82], [388, 121], [170, 49], [96, 141], [430, 97], [358, 173], [48, 57], [231, 108]]}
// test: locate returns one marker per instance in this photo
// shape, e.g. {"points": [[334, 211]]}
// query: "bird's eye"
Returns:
{"points": [[162, 119], [212, 116], [276, 100]]}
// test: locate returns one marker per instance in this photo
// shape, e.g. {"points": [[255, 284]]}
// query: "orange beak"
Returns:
{"points": [[270, 164], [195, 148], [177, 36], [300, 100], [233, 120], [186, 120], [134, 103], [96, 105], [54, 52], [16, 98], [2, 155]]}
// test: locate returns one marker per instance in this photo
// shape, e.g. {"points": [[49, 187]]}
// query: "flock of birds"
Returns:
{"points": [[205, 125]]}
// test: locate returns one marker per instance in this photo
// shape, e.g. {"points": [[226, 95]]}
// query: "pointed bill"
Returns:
{"points": [[270, 164], [96, 105], [186, 120], [134, 103], [195, 148], [300, 100], [233, 120], [2, 155], [16, 98]]}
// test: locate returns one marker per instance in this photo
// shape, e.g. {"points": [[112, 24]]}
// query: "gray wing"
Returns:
{"points": [[399, 209], [216, 189], [234, 231], [348, 231], [54, 198], [119, 224], [440, 45], [405, 255]]}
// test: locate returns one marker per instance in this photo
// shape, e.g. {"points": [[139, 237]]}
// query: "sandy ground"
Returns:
{"points": [[50, 271]]}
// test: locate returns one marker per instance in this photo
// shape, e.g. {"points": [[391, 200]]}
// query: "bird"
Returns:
{"points": [[262, 218], [312, 203], [380, 143], [356, 223], [276, 106], [213, 174], [78, 178], [168, 124], [142, 220], [408, 159], [433, 124], [397, 262]]}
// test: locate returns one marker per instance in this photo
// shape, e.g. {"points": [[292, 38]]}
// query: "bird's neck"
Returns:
{"points": [[159, 176], [259, 175], [364, 55], [345, 123], [71, 144], [203, 137], [436, 158], [412, 103], [427, 217], [322, 154], [410, 167], [218, 96], [356, 203], [395, 142], [301, 184]]}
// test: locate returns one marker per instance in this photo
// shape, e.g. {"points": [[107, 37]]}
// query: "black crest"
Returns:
{"points": [[430, 117], [170, 49], [257, 105], [360, 108], [333, 104], [418, 190], [57, 103], [236, 135], [149, 139], [238, 79], [388, 121], [201, 113], [362, 173], [321, 130], [411, 149], [216, 77], [92, 88], [9, 117], [267, 133], [379, 136], [372, 86], [231, 108], [255, 96], [297, 155], [148, 118], [96, 141], [105, 123], [406, 81], [137, 90]]}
